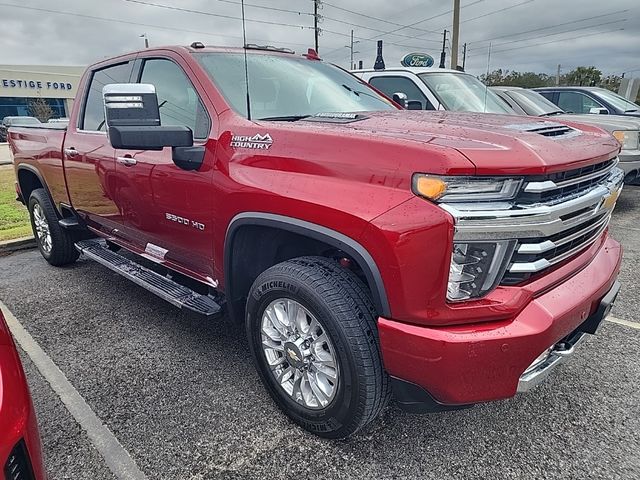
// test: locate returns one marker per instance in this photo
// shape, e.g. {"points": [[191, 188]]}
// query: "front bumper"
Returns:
{"points": [[630, 163], [466, 364]]}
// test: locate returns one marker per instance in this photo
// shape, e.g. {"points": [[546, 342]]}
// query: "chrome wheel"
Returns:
{"points": [[42, 228], [299, 353]]}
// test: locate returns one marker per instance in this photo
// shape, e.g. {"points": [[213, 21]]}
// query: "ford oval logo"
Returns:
{"points": [[417, 60]]}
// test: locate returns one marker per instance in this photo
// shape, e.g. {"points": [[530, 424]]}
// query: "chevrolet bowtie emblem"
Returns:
{"points": [[610, 201], [292, 354]]}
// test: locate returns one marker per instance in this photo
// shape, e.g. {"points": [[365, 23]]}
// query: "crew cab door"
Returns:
{"points": [[89, 158], [168, 212]]}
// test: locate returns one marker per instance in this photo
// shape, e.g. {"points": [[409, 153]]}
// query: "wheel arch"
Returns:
{"points": [[238, 279], [29, 179]]}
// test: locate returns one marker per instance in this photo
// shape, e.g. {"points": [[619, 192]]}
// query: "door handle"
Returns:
{"points": [[127, 161], [71, 152]]}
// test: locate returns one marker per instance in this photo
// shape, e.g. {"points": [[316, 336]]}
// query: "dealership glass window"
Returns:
{"points": [[19, 107], [390, 85], [93, 118], [177, 98], [574, 102]]}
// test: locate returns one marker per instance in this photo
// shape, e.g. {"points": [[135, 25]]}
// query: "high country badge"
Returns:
{"points": [[255, 142]]}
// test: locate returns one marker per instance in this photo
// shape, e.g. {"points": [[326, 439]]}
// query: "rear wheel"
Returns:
{"points": [[55, 244], [312, 331]]}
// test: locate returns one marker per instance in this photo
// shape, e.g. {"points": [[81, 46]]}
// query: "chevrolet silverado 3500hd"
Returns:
{"points": [[449, 258]]}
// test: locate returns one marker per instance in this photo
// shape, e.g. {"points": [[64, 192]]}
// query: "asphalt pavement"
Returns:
{"points": [[182, 397]]}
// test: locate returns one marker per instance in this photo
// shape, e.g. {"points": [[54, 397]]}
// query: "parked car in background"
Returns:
{"points": [[62, 121], [14, 122], [20, 449], [626, 129], [589, 100], [435, 89]]}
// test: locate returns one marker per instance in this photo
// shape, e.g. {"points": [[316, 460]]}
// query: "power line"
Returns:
{"points": [[547, 28], [374, 18], [411, 37], [126, 22], [559, 33], [218, 15], [559, 40]]}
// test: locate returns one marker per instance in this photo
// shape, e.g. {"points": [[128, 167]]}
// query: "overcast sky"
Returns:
{"points": [[526, 35]]}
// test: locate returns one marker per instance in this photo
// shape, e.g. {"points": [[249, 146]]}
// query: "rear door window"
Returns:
{"points": [[92, 118]]}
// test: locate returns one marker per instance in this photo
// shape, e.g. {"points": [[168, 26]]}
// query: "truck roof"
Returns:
{"points": [[416, 70]]}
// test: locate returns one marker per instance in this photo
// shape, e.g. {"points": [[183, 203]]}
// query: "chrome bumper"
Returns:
{"points": [[542, 367], [559, 353]]}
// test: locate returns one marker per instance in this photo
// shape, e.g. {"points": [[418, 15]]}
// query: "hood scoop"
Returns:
{"points": [[546, 129]]}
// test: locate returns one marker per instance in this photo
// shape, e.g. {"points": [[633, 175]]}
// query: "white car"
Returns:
{"points": [[435, 89]]}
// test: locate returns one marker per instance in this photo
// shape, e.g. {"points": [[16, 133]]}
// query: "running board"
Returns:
{"points": [[174, 293]]}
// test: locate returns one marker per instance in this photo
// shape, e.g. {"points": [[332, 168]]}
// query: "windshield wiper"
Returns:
{"points": [[631, 111], [285, 118]]}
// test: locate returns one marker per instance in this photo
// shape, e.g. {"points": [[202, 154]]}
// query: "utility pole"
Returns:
{"points": [[315, 22], [455, 34], [350, 47], [464, 56], [558, 75], [443, 54]]}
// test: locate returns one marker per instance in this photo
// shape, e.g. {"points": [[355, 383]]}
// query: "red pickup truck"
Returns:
{"points": [[448, 258]]}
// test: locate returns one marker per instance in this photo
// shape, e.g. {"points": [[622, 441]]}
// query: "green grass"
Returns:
{"points": [[14, 218]]}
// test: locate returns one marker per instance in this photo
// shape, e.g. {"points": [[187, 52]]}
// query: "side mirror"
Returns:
{"points": [[599, 111], [400, 98], [414, 105], [132, 117]]}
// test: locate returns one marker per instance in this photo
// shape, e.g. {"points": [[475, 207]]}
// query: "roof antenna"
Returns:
{"points": [[246, 64]]}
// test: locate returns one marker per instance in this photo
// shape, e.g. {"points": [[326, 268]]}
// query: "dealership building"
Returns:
{"points": [[20, 85]]}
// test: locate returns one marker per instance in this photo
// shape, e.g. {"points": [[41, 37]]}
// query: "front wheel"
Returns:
{"points": [[312, 332]]}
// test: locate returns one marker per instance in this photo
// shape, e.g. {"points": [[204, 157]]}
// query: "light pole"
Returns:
{"points": [[146, 40]]}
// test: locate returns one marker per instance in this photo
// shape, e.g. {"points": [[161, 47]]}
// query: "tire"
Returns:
{"points": [[343, 310], [55, 244]]}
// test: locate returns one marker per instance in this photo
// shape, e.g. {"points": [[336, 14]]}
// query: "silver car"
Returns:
{"points": [[626, 129]]}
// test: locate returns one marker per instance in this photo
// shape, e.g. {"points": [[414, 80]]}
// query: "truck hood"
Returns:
{"points": [[495, 144]]}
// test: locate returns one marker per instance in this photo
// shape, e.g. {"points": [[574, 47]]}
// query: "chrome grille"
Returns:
{"points": [[554, 218]]}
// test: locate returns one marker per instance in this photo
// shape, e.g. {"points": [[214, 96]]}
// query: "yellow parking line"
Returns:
{"points": [[626, 323]]}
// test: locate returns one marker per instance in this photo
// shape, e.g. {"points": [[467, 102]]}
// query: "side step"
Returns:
{"points": [[172, 292]]}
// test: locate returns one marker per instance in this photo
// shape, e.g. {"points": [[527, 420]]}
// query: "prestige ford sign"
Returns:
{"points": [[35, 84], [417, 60]]}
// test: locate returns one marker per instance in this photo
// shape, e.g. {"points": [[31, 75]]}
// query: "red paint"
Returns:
{"points": [[355, 179], [17, 417], [483, 362]]}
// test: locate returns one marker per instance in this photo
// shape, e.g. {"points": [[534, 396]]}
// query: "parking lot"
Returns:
{"points": [[181, 395]]}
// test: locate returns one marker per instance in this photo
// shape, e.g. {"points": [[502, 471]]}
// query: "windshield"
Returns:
{"points": [[617, 101], [282, 86], [464, 93], [533, 103]]}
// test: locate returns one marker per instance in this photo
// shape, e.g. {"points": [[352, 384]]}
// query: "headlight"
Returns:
{"points": [[465, 189], [628, 139], [476, 268]]}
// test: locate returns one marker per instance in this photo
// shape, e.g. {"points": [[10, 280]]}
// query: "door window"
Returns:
{"points": [[390, 85], [93, 115], [177, 98], [575, 102]]}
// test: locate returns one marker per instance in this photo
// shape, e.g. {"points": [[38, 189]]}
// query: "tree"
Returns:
{"points": [[39, 108], [516, 79], [583, 76]]}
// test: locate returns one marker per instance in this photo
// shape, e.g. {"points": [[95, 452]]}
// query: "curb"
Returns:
{"points": [[10, 246]]}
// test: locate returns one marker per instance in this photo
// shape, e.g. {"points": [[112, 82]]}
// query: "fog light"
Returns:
{"points": [[476, 268]]}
